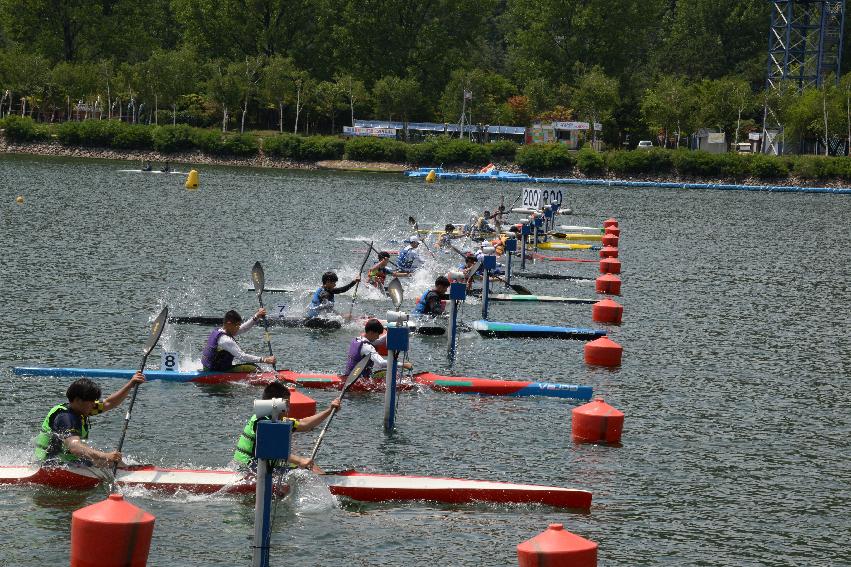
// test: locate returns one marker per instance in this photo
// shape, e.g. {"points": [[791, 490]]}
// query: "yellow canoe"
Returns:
{"points": [[568, 236], [563, 246]]}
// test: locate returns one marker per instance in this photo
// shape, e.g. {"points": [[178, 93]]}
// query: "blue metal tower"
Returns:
{"points": [[804, 48]]}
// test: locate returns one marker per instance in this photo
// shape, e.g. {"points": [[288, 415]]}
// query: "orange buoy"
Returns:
{"points": [[556, 547], [603, 352], [609, 283], [609, 252], [610, 266], [613, 230], [301, 406], [596, 422], [111, 533], [610, 222], [607, 311], [610, 240]]}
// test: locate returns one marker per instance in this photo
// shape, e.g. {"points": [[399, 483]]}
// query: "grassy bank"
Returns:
{"points": [[118, 139]]}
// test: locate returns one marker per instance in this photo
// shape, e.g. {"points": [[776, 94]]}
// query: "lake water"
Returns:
{"points": [[735, 379]]}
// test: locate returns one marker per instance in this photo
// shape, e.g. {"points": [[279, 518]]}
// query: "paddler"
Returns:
{"points": [[444, 241], [431, 304], [146, 165], [222, 350], [365, 346], [244, 454], [378, 273], [63, 435], [482, 223], [323, 298], [409, 259]]}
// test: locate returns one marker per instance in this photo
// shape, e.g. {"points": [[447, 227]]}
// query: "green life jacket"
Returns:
{"points": [[244, 453], [49, 445]]}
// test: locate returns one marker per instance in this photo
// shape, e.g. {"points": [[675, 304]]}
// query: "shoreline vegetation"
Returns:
{"points": [[187, 145]]}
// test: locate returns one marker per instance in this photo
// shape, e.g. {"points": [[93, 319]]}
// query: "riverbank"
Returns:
{"points": [[573, 175]]}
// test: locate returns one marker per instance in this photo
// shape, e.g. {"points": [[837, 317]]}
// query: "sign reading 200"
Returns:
{"points": [[540, 198]]}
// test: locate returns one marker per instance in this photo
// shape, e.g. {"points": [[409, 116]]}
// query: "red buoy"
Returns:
{"points": [[300, 406], [610, 240], [603, 352], [596, 422], [557, 547], [609, 283], [610, 266], [609, 252], [613, 230], [610, 222], [111, 533], [607, 311]]}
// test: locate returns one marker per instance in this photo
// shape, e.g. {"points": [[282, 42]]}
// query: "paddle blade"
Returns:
{"points": [[355, 374], [258, 277], [156, 331], [521, 290], [475, 269], [397, 294], [412, 221]]}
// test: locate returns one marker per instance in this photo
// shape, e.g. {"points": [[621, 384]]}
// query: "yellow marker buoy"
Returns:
{"points": [[431, 176], [19, 199], [192, 179]]}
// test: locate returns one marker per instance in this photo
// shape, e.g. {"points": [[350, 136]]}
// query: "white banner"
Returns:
{"points": [[540, 198], [716, 138], [576, 126], [374, 132]]}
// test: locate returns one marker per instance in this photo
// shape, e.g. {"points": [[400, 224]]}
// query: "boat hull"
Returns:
{"points": [[517, 298], [497, 329], [364, 487]]}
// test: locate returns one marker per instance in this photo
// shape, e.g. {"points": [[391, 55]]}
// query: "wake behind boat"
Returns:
{"points": [[359, 486]]}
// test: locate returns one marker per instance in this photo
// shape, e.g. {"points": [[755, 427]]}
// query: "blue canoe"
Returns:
{"points": [[520, 330], [198, 376]]}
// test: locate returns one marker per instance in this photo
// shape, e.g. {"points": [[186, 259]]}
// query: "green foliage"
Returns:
{"points": [[23, 129], [315, 148], [451, 150], [768, 167], [504, 150], [89, 133], [376, 149], [590, 162], [286, 146], [653, 161], [545, 157], [173, 139], [133, 137]]}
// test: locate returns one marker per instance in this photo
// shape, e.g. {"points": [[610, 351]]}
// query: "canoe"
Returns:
{"points": [[513, 388], [306, 322], [493, 175], [566, 246], [560, 258], [455, 384], [529, 211], [544, 276], [587, 229], [497, 329], [364, 487], [196, 376], [154, 171], [557, 236], [516, 298]]}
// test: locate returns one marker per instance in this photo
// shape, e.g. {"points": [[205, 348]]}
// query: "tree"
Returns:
{"points": [[396, 96], [668, 104], [223, 87], [277, 83], [168, 76], [596, 97], [354, 90], [328, 100], [490, 91]]}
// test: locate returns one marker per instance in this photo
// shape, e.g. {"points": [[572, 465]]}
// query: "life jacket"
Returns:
{"points": [[406, 259], [244, 453], [376, 276], [214, 358], [48, 445], [354, 357], [422, 302], [316, 302]]}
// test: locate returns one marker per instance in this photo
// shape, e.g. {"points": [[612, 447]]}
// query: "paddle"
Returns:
{"points": [[353, 376], [360, 273], [519, 289], [395, 291], [156, 331], [413, 222], [259, 279]]}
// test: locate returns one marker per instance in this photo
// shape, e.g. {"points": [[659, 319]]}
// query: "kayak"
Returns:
{"points": [[544, 276], [307, 322], [574, 236], [587, 229], [153, 171], [560, 258], [539, 299], [455, 384], [529, 211], [364, 487], [566, 246], [496, 329]]}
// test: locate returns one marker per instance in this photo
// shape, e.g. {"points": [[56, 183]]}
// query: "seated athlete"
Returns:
{"points": [[323, 298], [244, 454], [146, 165], [431, 304], [409, 259], [222, 350], [365, 346], [444, 241], [482, 223], [377, 274], [166, 168], [63, 435]]}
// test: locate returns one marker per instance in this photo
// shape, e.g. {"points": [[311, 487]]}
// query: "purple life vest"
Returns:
{"points": [[214, 359], [354, 357]]}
